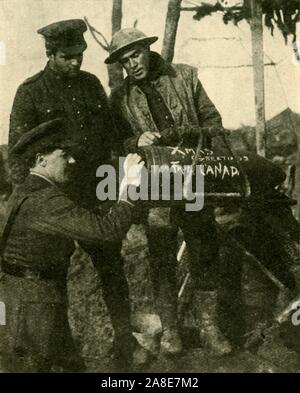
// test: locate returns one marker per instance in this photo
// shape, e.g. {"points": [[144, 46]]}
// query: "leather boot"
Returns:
{"points": [[129, 355], [207, 314]]}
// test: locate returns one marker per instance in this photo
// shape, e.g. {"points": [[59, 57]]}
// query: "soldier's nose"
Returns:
{"points": [[132, 63]]}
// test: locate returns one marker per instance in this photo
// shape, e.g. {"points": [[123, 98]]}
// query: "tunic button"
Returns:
{"points": [[81, 125], [69, 86], [78, 112], [48, 110], [99, 106], [85, 138], [74, 99], [167, 117]]}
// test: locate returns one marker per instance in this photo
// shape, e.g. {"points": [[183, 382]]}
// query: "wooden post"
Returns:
{"points": [[116, 16], [258, 74], [115, 71], [297, 185], [172, 20]]}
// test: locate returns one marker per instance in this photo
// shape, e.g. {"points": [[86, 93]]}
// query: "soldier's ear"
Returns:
{"points": [[41, 159], [50, 54]]}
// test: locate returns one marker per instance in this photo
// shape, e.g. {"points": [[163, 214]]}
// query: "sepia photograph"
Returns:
{"points": [[149, 188]]}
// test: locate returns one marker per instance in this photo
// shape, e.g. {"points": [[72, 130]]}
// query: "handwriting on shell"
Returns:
{"points": [[218, 166]]}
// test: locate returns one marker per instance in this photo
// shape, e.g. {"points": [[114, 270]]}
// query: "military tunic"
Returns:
{"points": [[81, 100], [36, 336]]}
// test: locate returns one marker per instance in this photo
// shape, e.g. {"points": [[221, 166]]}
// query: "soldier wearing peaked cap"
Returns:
{"points": [[66, 35], [63, 90], [48, 135], [36, 336]]}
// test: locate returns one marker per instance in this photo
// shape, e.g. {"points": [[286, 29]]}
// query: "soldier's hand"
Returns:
{"points": [[133, 166], [148, 138]]}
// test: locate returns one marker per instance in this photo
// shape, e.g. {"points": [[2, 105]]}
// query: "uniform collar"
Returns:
{"points": [[33, 182], [33, 173], [54, 75]]}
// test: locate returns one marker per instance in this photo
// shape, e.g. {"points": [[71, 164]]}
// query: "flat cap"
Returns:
{"points": [[46, 136], [66, 35], [124, 39]]}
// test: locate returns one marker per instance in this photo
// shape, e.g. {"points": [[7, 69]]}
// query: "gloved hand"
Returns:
{"points": [[133, 166]]}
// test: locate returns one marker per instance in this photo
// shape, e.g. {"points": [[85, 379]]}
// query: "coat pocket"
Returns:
{"points": [[41, 329], [49, 111], [30, 306]]}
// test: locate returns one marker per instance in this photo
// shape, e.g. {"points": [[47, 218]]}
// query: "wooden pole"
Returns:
{"points": [[258, 74], [172, 20], [115, 71], [297, 185], [116, 16]]}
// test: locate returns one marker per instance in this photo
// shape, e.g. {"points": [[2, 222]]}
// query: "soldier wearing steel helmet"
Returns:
{"points": [[163, 103]]}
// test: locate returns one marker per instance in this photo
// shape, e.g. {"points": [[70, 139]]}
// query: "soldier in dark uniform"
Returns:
{"points": [[36, 246], [63, 90]]}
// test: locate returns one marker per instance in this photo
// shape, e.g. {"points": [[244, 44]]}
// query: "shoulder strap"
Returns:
{"points": [[14, 204]]}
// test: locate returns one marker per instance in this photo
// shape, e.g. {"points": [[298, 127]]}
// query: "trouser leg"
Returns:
{"points": [[203, 248], [110, 267], [202, 243], [162, 242]]}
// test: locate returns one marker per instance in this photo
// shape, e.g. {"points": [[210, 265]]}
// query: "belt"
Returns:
{"points": [[31, 273]]}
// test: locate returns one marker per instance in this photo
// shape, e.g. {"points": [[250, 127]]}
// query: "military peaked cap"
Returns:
{"points": [[66, 35], [46, 136]]}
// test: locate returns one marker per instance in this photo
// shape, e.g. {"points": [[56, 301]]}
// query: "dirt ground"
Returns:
{"points": [[91, 324]]}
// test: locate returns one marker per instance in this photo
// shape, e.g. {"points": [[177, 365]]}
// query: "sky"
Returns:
{"points": [[218, 50]]}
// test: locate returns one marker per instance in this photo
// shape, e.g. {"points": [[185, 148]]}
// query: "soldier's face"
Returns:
{"points": [[67, 65], [136, 62], [58, 165]]}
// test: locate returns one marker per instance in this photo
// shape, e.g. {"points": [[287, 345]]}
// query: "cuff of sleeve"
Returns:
{"points": [[126, 195], [131, 144], [125, 201]]}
